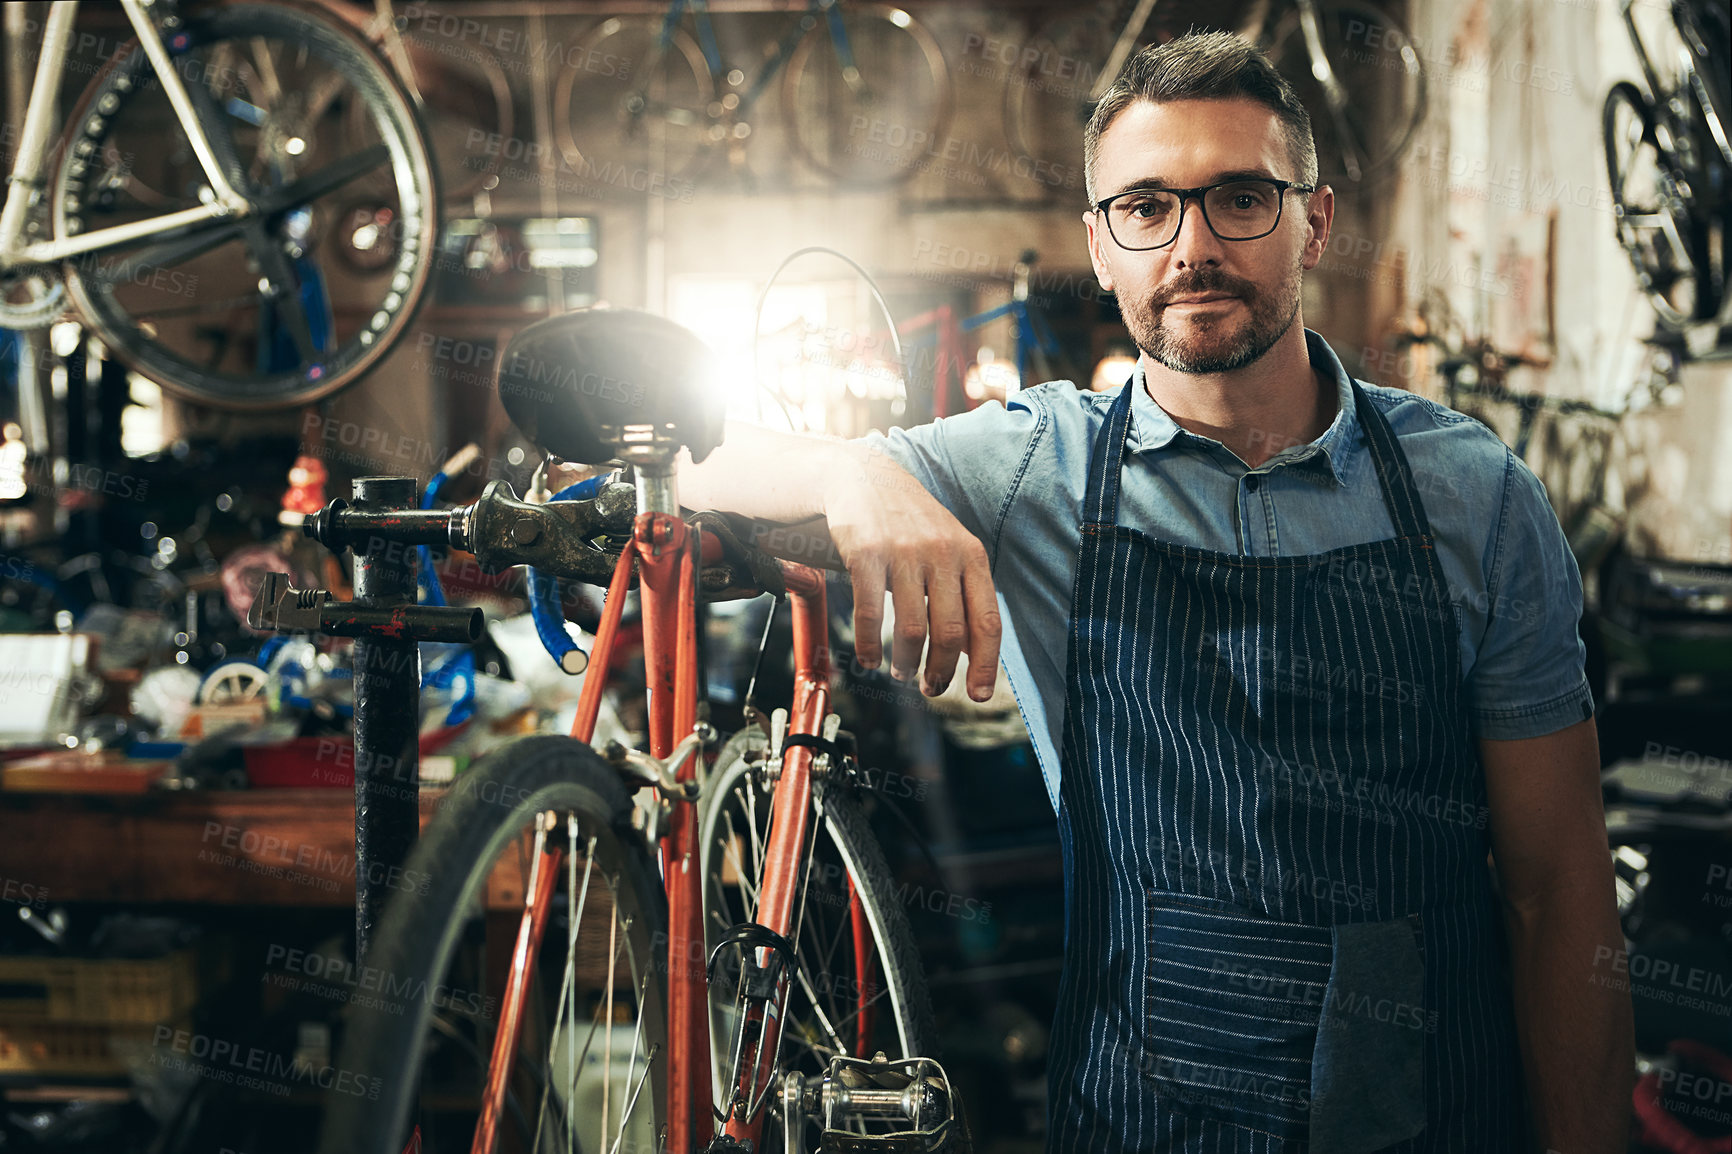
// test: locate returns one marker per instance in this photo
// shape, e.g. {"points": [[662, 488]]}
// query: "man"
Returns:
{"points": [[1295, 653]]}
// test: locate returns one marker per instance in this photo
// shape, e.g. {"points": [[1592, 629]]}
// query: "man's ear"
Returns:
{"points": [[1319, 216], [1103, 274]]}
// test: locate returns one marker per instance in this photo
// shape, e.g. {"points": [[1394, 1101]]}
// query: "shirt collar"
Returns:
{"points": [[1153, 430]]}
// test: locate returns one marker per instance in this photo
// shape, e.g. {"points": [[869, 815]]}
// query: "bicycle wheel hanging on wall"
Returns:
{"points": [[253, 312], [466, 109], [595, 1006], [857, 986], [1363, 134], [866, 97], [630, 109], [1667, 247], [1046, 95]]}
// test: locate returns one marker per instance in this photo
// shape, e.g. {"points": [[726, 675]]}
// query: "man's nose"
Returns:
{"points": [[1196, 243]]}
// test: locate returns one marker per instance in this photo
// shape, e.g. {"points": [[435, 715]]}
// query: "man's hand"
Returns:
{"points": [[893, 535], [889, 532]]}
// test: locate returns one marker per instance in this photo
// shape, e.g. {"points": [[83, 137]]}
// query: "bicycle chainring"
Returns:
{"points": [[31, 299]]}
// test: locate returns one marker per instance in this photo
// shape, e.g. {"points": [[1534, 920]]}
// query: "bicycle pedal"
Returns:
{"points": [[880, 1106]]}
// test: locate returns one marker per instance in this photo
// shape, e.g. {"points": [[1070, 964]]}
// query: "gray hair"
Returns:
{"points": [[1203, 66]]}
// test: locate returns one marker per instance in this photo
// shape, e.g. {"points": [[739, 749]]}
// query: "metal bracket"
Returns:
{"points": [[664, 775], [279, 607]]}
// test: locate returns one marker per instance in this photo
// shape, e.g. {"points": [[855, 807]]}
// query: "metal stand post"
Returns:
{"points": [[387, 713]]}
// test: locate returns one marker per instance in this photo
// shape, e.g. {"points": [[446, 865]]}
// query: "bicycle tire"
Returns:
{"points": [[1376, 61], [200, 311], [1046, 95], [844, 853], [627, 113], [912, 99], [1663, 243], [483, 818], [464, 91]]}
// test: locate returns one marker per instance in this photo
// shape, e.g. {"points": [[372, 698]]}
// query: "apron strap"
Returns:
{"points": [[1106, 462], [1393, 474], [1106, 458]]}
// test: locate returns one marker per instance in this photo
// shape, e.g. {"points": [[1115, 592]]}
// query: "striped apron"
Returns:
{"points": [[1280, 929]]}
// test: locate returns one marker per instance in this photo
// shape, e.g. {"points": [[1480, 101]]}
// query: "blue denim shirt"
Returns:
{"points": [[1015, 477]]}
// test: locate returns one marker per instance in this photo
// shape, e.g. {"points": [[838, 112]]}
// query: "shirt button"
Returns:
{"points": [[1251, 482]]}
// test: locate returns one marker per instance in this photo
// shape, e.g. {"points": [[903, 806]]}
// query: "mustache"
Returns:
{"points": [[1202, 280]]}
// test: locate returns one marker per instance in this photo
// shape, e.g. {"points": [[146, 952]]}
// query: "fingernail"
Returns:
{"points": [[980, 693]]}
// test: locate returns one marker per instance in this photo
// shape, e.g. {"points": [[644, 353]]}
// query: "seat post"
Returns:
{"points": [[658, 489]]}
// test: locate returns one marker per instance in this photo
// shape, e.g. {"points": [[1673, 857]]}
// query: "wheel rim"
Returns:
{"points": [[895, 103], [626, 111]]}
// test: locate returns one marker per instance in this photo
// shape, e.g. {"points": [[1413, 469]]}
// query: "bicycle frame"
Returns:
{"points": [[662, 554], [25, 184]]}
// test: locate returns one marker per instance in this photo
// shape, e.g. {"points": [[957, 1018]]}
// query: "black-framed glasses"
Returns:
{"points": [[1245, 208]]}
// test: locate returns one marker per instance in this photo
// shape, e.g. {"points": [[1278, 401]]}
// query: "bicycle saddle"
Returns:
{"points": [[587, 386]]}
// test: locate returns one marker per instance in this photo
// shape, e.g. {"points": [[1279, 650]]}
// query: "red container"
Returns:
{"points": [[302, 763]]}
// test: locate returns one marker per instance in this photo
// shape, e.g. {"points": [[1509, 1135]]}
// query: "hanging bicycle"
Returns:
{"points": [[865, 91], [201, 184], [1669, 161]]}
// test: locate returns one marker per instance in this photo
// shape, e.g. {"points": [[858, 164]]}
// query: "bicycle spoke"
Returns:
{"points": [[851, 1015], [245, 302], [631, 1065], [567, 1013], [284, 288], [271, 87], [325, 180], [748, 891], [607, 1016], [823, 1018], [168, 253]]}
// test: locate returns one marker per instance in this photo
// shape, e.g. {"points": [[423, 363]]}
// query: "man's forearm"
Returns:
{"points": [[1572, 1008], [768, 475]]}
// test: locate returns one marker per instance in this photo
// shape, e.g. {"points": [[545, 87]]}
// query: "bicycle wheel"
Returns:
{"points": [[629, 111], [1381, 78], [595, 1011], [253, 312], [1653, 221], [866, 96], [836, 1005], [466, 108], [1046, 95]]}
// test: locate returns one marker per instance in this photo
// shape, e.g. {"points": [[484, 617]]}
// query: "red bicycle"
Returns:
{"points": [[706, 959]]}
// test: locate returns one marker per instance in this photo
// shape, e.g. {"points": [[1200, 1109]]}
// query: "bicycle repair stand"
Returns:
{"points": [[387, 626]]}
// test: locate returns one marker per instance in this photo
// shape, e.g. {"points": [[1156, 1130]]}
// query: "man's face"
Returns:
{"points": [[1203, 304]]}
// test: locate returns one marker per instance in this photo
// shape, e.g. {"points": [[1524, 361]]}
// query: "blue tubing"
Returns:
{"points": [[544, 599]]}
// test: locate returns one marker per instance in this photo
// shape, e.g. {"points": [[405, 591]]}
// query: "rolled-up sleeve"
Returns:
{"points": [[969, 462], [1528, 677]]}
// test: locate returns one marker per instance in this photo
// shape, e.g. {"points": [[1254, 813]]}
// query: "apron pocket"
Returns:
{"points": [[1367, 1082], [1232, 1004]]}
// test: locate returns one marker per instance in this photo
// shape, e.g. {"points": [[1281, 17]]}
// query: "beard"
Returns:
{"points": [[1215, 344]]}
